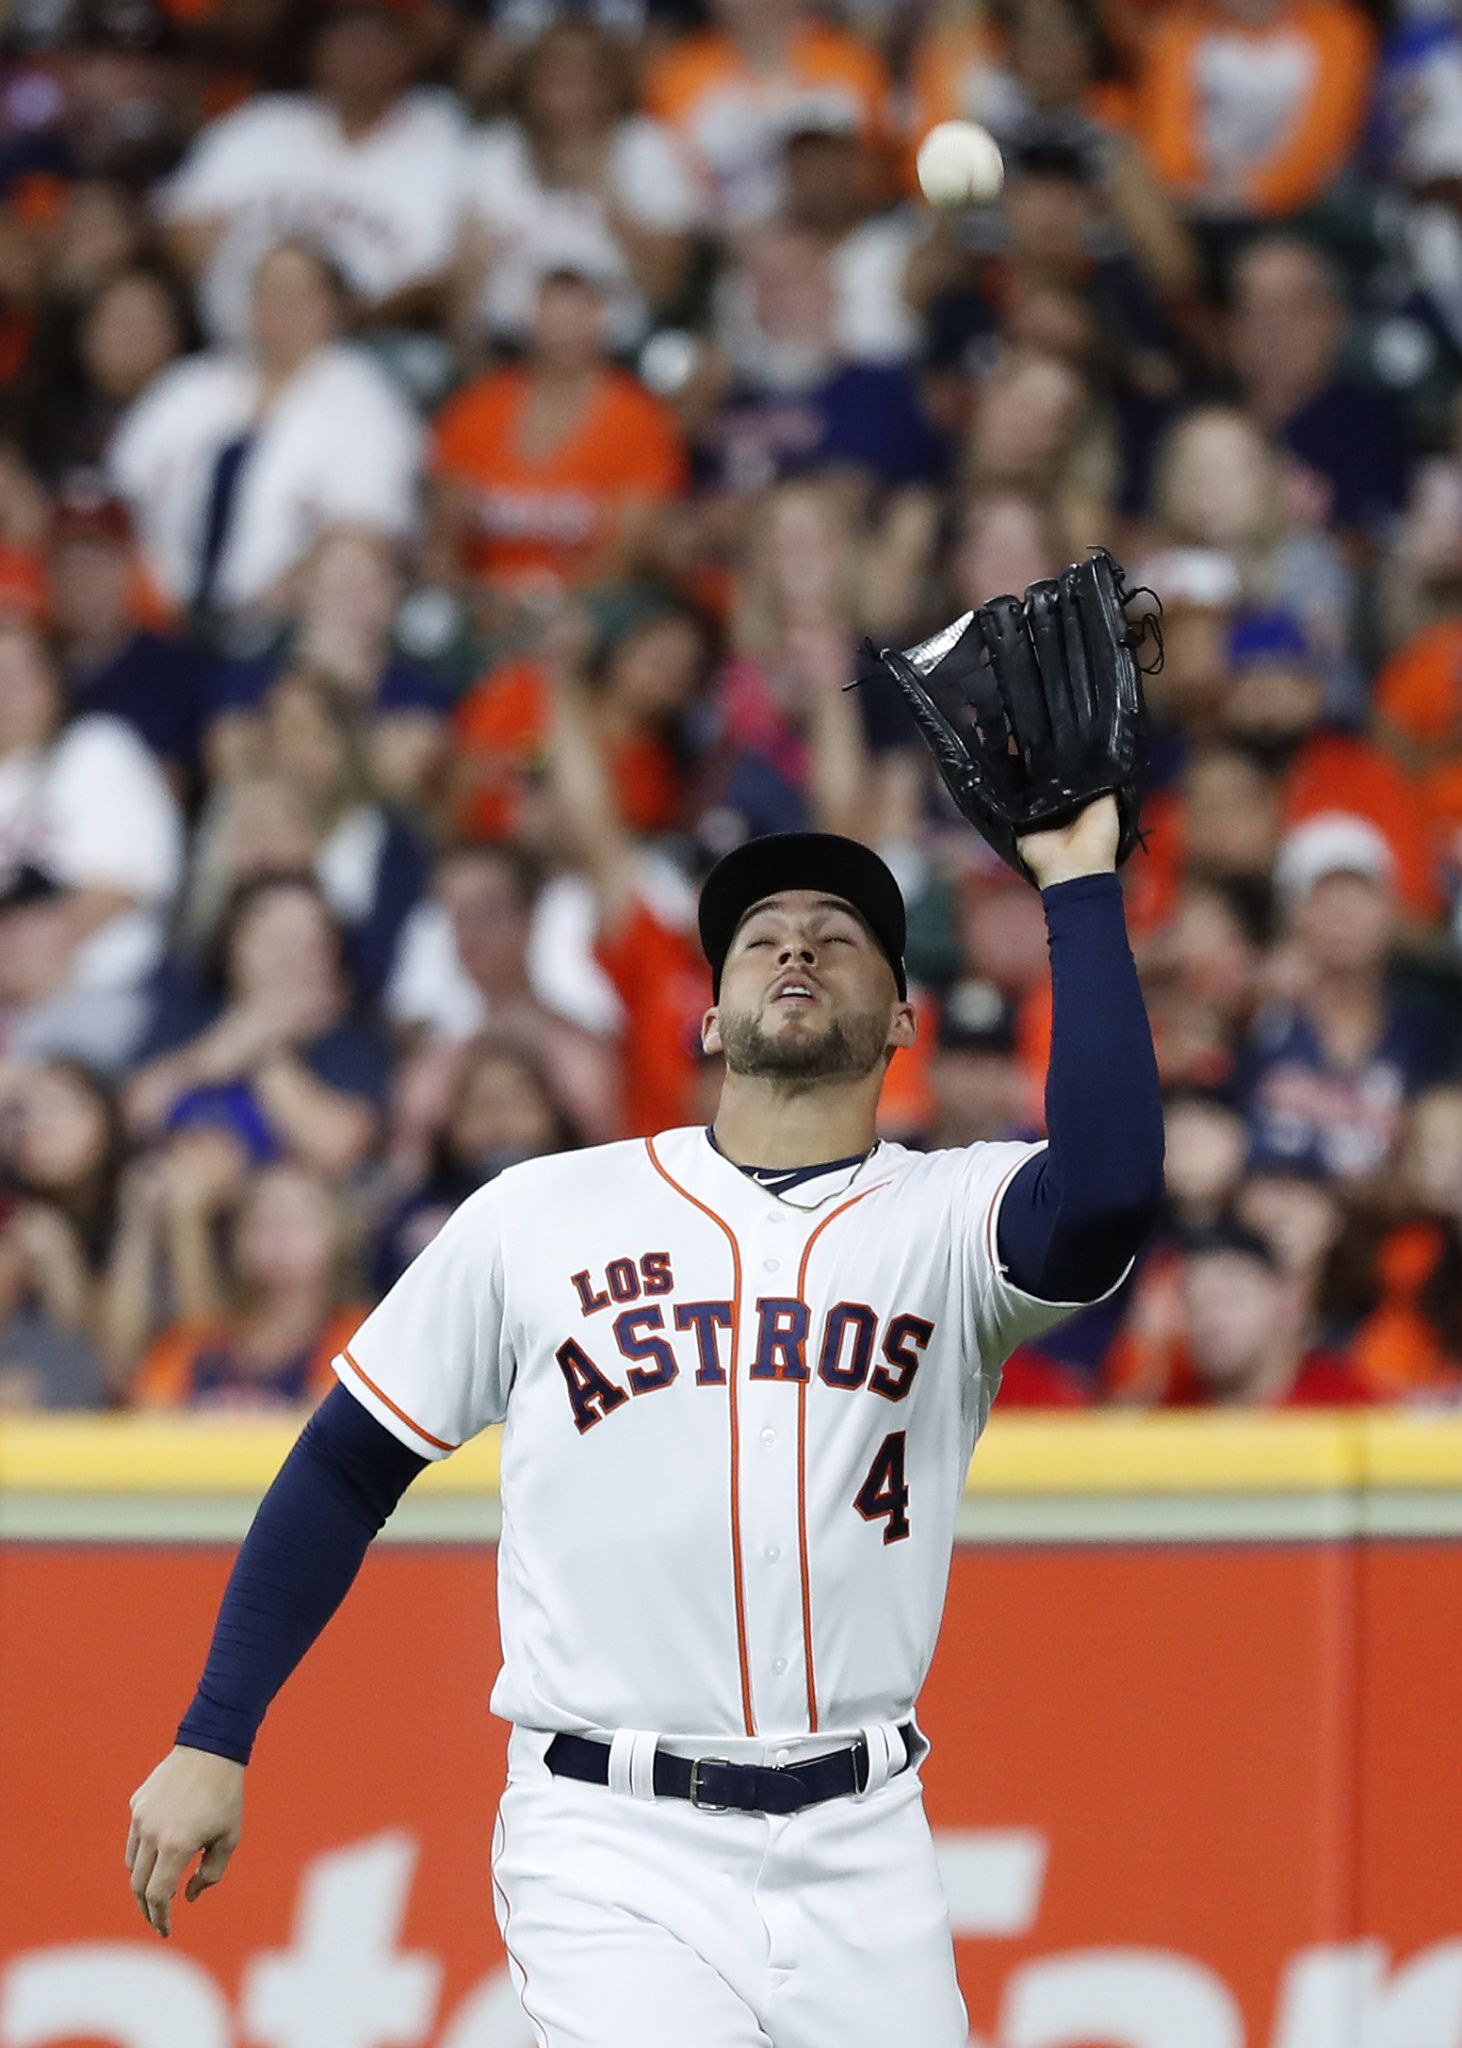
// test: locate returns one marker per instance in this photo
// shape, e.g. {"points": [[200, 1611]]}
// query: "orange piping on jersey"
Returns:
{"points": [[399, 1413], [802, 1465], [736, 1575]]}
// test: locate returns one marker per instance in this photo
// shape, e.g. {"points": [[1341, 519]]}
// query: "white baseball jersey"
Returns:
{"points": [[737, 1426], [386, 205]]}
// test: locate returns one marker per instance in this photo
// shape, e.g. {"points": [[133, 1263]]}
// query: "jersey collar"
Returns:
{"points": [[807, 1187]]}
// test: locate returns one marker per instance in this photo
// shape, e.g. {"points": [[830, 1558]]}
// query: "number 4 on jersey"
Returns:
{"points": [[884, 1494]]}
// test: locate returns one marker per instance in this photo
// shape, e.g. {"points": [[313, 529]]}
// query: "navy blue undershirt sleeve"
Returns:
{"points": [[1076, 1213], [333, 1494]]}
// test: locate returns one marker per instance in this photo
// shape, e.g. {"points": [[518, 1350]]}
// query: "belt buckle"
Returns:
{"points": [[705, 1805]]}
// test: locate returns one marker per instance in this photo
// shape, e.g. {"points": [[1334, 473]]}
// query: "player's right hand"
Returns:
{"points": [[191, 1802]]}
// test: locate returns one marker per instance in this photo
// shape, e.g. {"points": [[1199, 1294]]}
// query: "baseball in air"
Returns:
{"points": [[959, 164]]}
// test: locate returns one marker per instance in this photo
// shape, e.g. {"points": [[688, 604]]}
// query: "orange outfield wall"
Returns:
{"points": [[1188, 1795]]}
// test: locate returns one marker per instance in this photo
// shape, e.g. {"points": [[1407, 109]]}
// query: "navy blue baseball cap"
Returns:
{"points": [[802, 860]]}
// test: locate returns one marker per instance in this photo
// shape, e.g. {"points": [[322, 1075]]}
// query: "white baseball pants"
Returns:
{"points": [[637, 1922]]}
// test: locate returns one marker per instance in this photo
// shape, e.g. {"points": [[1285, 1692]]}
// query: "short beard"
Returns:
{"points": [[847, 1050]]}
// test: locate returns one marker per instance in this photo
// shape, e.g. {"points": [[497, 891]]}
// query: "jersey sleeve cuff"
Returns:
{"points": [[1001, 1277], [353, 1376]]}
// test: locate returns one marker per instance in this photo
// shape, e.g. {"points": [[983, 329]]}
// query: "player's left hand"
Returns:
{"points": [[1087, 846], [193, 1801]]}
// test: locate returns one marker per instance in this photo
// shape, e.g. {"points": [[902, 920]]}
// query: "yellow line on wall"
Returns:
{"points": [[1021, 1454]]}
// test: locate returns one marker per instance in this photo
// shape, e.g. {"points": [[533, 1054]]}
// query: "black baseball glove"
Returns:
{"points": [[1033, 706]]}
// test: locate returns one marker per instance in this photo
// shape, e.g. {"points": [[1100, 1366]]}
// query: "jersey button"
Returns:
{"points": [[779, 1665], [771, 1553], [771, 1265], [769, 1437]]}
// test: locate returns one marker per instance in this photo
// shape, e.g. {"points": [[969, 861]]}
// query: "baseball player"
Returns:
{"points": [[741, 1372]]}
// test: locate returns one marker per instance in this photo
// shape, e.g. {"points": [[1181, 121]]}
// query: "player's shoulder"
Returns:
{"points": [[971, 1169], [531, 1191], [555, 1175]]}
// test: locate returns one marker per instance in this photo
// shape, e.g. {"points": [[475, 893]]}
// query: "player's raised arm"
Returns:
{"points": [[1033, 710], [1076, 1214]]}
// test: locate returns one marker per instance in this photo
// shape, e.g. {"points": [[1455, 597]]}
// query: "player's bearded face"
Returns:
{"points": [[838, 1028], [846, 1046]]}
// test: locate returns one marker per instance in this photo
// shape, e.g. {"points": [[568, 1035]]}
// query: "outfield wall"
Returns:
{"points": [[1196, 1778]]}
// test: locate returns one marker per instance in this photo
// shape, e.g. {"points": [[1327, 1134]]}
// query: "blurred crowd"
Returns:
{"points": [[451, 452]]}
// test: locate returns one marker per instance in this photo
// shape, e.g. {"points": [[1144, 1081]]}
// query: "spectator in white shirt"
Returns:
{"points": [[574, 180], [235, 462], [834, 186], [91, 849], [364, 165]]}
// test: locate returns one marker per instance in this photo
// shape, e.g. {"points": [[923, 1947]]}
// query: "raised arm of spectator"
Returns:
{"points": [[839, 776], [658, 257], [226, 1051], [324, 1126], [1155, 232], [164, 1248], [584, 796]]}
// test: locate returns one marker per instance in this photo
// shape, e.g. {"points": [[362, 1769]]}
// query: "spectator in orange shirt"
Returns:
{"points": [[1250, 107], [1042, 76], [1419, 694], [557, 472], [262, 1319], [1419, 712], [731, 92], [1018, 61], [1410, 1343]]}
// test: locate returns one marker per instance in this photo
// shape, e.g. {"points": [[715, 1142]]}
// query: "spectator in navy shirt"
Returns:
{"points": [[501, 1109], [344, 601], [796, 404], [1348, 439], [152, 681], [279, 1056], [1333, 1067]]}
